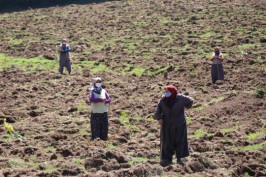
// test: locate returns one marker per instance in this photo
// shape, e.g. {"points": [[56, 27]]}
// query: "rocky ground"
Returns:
{"points": [[137, 47]]}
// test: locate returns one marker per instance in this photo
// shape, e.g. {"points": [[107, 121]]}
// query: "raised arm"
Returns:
{"points": [[187, 101]]}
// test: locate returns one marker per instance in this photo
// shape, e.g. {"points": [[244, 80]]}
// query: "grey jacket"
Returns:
{"points": [[175, 115]]}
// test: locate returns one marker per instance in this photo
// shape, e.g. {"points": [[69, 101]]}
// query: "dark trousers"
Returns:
{"points": [[64, 63], [174, 140], [99, 126], [217, 72]]}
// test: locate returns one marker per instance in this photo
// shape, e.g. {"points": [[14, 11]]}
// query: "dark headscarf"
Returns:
{"points": [[170, 100]]}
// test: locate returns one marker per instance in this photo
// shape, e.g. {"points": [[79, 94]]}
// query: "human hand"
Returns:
{"points": [[160, 121]]}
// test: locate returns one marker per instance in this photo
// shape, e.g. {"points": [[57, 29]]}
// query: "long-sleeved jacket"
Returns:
{"points": [[174, 115], [97, 105], [64, 52]]}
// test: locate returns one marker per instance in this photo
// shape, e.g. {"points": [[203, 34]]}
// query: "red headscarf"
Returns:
{"points": [[173, 90]]}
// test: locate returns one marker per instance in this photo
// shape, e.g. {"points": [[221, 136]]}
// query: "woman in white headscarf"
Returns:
{"points": [[99, 110]]}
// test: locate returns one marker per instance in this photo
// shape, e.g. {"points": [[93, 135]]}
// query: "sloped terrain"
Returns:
{"points": [[137, 47]]}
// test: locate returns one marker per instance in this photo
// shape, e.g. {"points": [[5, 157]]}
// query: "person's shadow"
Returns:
{"points": [[8, 6]]}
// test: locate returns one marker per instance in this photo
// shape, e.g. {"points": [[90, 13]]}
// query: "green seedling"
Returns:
{"points": [[259, 146], [137, 71], [259, 93]]}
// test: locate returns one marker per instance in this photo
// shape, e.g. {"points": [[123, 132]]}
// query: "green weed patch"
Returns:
{"points": [[259, 146], [199, 133], [137, 71], [259, 92], [30, 64], [217, 99], [17, 163], [199, 108], [138, 160], [256, 135], [111, 146], [189, 120], [15, 41], [230, 129], [50, 149], [158, 71], [124, 117]]}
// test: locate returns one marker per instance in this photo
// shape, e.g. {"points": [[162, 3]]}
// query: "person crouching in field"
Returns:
{"points": [[170, 114], [99, 110], [64, 51], [217, 71]]}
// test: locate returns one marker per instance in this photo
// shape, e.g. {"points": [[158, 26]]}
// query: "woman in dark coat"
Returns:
{"points": [[171, 116], [217, 70]]}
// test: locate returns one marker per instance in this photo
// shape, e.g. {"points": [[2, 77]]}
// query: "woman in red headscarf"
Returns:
{"points": [[171, 116]]}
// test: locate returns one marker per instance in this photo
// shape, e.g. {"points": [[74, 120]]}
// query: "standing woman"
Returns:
{"points": [[217, 70], [170, 114], [64, 51], [99, 110]]}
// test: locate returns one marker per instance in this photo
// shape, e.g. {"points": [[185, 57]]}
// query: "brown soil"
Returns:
{"points": [[52, 111]]}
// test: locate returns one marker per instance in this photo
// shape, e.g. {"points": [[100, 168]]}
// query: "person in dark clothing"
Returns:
{"points": [[99, 110], [170, 114], [64, 51], [217, 71]]}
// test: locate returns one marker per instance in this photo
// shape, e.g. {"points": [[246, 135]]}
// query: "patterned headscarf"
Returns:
{"points": [[94, 88]]}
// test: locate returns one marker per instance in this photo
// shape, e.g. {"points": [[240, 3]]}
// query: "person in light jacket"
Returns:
{"points": [[99, 99], [170, 114]]}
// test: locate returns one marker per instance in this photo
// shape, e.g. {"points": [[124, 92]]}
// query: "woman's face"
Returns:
{"points": [[98, 83]]}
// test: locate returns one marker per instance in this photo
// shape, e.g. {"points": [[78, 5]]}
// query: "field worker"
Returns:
{"points": [[170, 114], [64, 51], [217, 71], [99, 110]]}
